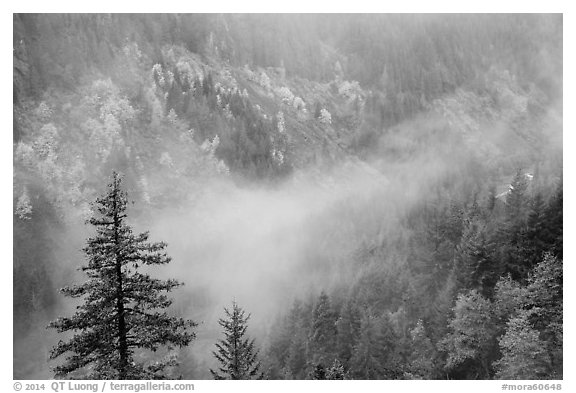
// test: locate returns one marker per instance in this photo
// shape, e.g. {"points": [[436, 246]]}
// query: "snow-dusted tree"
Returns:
{"points": [[24, 206], [236, 354], [123, 308], [325, 116]]}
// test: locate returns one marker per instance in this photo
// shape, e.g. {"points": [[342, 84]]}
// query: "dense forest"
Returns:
{"points": [[378, 196]]}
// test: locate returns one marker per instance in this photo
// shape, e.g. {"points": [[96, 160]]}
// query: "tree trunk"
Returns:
{"points": [[122, 333]]}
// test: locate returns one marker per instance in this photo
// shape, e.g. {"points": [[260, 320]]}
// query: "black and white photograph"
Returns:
{"points": [[287, 196]]}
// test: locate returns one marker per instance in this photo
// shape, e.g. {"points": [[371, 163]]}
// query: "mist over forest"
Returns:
{"points": [[381, 193]]}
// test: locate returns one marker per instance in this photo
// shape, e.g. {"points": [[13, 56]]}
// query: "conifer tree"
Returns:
{"points": [[367, 360], [477, 267], [511, 234], [297, 354], [336, 371], [348, 329], [318, 372], [124, 308], [323, 334], [554, 222], [236, 354], [534, 232], [421, 359]]}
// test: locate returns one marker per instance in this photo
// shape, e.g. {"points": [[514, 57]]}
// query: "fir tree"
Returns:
{"points": [[236, 354], [124, 308]]}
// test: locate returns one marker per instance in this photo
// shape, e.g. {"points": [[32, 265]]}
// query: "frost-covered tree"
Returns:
{"points": [[124, 308], [325, 116], [236, 353], [24, 206]]}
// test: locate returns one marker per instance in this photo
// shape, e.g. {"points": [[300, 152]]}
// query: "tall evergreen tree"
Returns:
{"points": [[323, 334], [124, 308], [236, 354], [348, 329], [534, 231], [297, 354], [367, 359], [555, 223], [477, 268], [511, 234]]}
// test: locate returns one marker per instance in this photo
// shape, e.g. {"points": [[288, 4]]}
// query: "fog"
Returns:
{"points": [[266, 245]]}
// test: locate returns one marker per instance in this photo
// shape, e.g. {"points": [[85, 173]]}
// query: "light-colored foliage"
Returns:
{"points": [[523, 352], [325, 116], [471, 330], [24, 206]]}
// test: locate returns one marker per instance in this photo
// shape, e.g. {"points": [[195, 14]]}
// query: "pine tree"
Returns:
{"points": [[124, 308], [237, 355]]}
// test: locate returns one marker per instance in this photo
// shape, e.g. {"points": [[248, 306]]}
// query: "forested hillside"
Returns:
{"points": [[383, 193]]}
